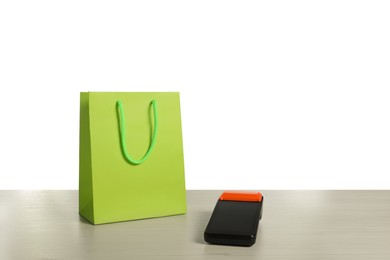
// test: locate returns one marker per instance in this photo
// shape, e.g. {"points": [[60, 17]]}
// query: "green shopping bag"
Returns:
{"points": [[131, 156]]}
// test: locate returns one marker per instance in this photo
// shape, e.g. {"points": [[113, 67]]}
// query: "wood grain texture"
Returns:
{"points": [[295, 225]]}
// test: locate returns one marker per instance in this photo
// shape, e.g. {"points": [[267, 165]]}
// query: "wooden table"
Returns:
{"points": [[295, 225]]}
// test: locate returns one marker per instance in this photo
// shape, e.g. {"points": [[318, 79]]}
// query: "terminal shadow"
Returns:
{"points": [[200, 222]]}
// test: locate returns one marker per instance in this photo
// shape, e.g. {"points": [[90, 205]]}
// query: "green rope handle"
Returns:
{"points": [[122, 131]]}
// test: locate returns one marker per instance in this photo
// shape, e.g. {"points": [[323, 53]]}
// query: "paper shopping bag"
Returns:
{"points": [[131, 156]]}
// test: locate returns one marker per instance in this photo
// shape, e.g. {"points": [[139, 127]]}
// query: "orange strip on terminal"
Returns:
{"points": [[237, 196]]}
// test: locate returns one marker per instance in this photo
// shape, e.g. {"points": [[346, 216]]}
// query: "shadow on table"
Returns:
{"points": [[200, 220]]}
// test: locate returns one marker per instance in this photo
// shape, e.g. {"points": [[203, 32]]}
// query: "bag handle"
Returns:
{"points": [[122, 132]]}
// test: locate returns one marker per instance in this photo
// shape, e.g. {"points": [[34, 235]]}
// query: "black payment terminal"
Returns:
{"points": [[235, 219]]}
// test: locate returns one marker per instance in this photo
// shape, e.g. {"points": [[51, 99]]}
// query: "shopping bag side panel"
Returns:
{"points": [[85, 165]]}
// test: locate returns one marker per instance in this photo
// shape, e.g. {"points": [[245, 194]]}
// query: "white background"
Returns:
{"points": [[275, 94]]}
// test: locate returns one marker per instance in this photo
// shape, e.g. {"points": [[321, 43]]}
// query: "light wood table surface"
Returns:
{"points": [[296, 225]]}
